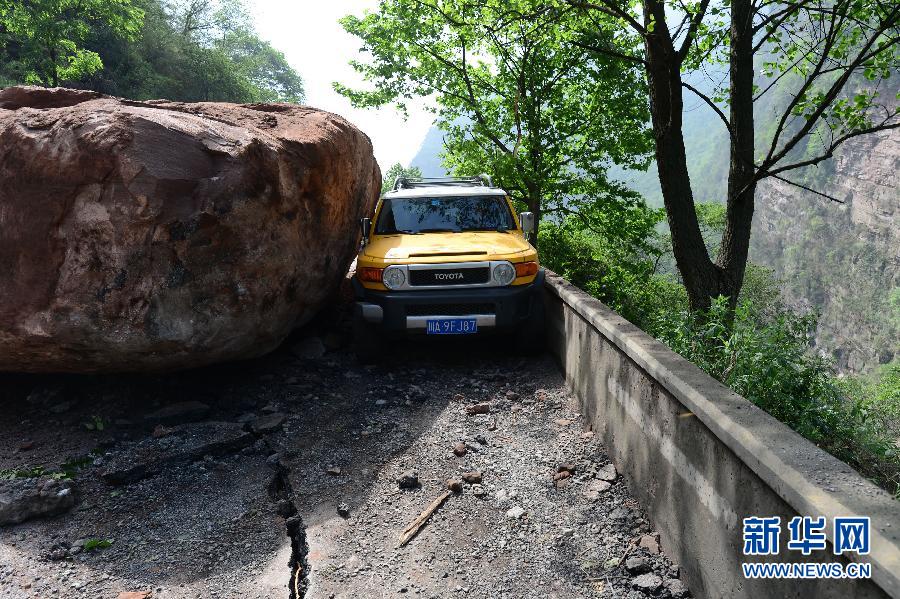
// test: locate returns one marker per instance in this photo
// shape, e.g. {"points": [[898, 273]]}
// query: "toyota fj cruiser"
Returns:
{"points": [[446, 256]]}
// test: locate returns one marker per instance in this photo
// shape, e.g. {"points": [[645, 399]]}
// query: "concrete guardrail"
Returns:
{"points": [[701, 458]]}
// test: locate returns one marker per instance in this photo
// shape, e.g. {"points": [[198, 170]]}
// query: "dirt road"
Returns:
{"points": [[188, 485]]}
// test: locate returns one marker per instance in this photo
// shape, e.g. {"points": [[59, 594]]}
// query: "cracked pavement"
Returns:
{"points": [[550, 517]]}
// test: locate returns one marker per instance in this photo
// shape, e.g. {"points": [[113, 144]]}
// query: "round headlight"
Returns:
{"points": [[504, 273], [393, 278]]}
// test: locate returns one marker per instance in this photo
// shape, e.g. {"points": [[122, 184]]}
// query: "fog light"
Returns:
{"points": [[393, 277], [504, 273]]}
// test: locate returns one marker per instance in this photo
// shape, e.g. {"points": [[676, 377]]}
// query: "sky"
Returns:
{"points": [[308, 34]]}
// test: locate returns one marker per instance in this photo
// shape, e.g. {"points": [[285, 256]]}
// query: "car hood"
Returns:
{"points": [[444, 247]]}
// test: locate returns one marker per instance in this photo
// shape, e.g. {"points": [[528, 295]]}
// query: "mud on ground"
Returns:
{"points": [[193, 481]]}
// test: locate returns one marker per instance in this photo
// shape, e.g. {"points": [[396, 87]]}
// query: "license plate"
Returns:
{"points": [[452, 326]]}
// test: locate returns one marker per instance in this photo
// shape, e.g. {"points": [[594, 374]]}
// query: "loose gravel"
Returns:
{"points": [[360, 450]]}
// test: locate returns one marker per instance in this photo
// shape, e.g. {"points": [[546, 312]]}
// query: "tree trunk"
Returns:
{"points": [[702, 278], [735, 244], [534, 206]]}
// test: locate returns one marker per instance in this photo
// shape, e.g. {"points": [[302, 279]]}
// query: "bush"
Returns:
{"points": [[764, 355], [618, 274], [762, 351]]}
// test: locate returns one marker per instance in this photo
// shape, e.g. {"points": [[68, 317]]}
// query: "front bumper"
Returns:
{"points": [[497, 308]]}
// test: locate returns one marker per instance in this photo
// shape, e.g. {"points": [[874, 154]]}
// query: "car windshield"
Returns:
{"points": [[444, 214]]}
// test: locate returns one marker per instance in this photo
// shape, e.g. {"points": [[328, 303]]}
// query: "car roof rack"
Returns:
{"points": [[413, 182]]}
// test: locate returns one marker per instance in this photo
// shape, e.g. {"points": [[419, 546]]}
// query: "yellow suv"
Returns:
{"points": [[446, 256]]}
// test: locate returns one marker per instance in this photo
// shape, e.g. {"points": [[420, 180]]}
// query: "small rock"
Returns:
{"points": [[26, 446], [343, 510], [310, 348], [473, 478], [459, 448], [620, 513], [408, 480], [160, 431], [570, 468], [493, 425], [479, 408], [607, 473], [268, 423], [676, 588], [481, 439], [333, 471], [594, 488], [647, 582], [25, 498], [478, 491], [650, 543], [562, 422], [516, 512], [135, 595], [561, 475], [637, 564], [512, 395], [455, 485]]}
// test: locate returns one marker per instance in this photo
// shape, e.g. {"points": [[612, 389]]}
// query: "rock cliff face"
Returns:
{"points": [[842, 260], [149, 236]]}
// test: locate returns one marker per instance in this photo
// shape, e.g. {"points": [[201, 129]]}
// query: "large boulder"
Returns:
{"points": [[152, 236]]}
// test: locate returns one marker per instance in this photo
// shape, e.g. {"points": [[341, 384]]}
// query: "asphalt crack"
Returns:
{"points": [[281, 493]]}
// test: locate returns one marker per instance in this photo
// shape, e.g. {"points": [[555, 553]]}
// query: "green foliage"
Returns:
{"points": [[398, 170], [762, 351], [618, 271], [764, 355], [189, 50], [66, 470], [94, 544], [50, 34], [543, 116]]}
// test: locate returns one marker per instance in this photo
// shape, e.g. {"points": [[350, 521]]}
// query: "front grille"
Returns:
{"points": [[448, 309], [450, 276]]}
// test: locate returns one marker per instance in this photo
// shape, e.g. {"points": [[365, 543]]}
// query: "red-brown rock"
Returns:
{"points": [[153, 236]]}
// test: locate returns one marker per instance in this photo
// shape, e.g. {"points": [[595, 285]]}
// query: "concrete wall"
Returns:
{"points": [[701, 458]]}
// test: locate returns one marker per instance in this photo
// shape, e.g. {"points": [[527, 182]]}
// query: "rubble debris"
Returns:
{"points": [[25, 498], [647, 582], [186, 443], [408, 480], [478, 408], [637, 564], [472, 478], [650, 543], [607, 473], [268, 424], [515, 512], [455, 485]]}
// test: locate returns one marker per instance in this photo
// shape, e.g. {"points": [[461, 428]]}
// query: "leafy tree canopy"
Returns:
{"points": [[518, 99], [50, 35], [398, 170]]}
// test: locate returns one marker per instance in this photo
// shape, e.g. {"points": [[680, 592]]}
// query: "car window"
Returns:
{"points": [[437, 214]]}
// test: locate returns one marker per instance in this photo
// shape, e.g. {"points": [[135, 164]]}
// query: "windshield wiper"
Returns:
{"points": [[439, 231]]}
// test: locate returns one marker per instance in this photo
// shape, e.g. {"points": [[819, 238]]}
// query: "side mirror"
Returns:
{"points": [[526, 219], [366, 225]]}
